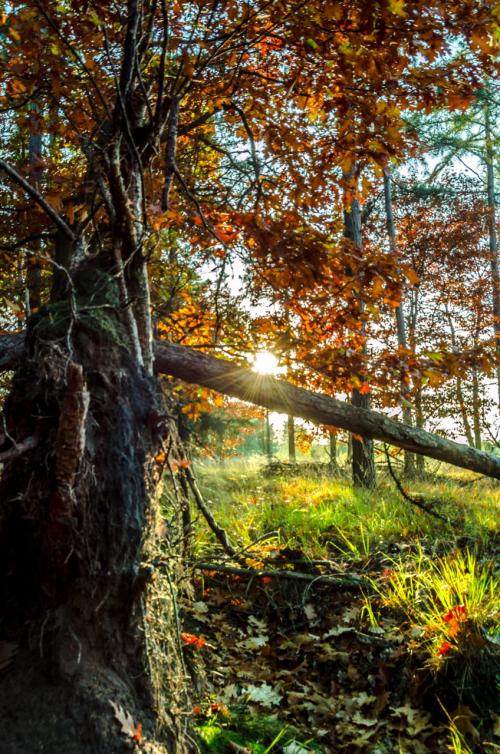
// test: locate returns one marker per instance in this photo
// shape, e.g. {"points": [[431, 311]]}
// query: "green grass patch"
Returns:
{"points": [[435, 596], [327, 515], [258, 734]]}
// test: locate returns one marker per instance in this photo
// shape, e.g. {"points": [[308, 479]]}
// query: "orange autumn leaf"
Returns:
{"points": [[455, 618], [444, 648], [412, 276], [198, 642]]}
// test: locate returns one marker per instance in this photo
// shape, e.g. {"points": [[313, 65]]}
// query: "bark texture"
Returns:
{"points": [[76, 534]]}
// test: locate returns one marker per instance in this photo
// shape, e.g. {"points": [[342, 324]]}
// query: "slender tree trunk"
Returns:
{"points": [[269, 449], [363, 456], [363, 459], [33, 269], [493, 238], [420, 424], [476, 409], [409, 458], [459, 385], [333, 453], [220, 447], [463, 413], [292, 456]]}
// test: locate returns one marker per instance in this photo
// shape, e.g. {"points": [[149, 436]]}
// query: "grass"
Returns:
{"points": [[452, 609], [321, 516], [434, 580], [258, 734]]}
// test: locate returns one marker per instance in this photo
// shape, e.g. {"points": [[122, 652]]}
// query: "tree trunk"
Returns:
{"points": [[292, 456], [33, 267], [459, 385], [363, 454], [77, 531], [334, 467], [476, 409], [420, 424], [463, 413], [363, 460], [409, 458], [493, 238], [278, 395], [269, 449]]}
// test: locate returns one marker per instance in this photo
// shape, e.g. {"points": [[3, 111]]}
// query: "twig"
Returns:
{"points": [[253, 151], [219, 532], [466, 482], [23, 241], [413, 500], [263, 537], [19, 448], [38, 198], [340, 581]]}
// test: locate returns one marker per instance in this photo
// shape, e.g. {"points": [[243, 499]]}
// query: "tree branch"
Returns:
{"points": [[21, 447], [38, 198], [278, 395], [241, 382], [418, 502], [342, 580]]}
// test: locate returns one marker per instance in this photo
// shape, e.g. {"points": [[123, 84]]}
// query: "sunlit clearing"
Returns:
{"points": [[265, 362]]}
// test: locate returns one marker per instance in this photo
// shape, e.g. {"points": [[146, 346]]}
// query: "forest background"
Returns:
{"points": [[182, 186]]}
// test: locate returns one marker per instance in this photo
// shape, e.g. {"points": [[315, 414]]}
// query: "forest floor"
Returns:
{"points": [[349, 621]]}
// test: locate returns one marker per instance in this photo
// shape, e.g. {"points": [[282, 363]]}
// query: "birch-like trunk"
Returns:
{"points": [[363, 458], [492, 232], [409, 460], [476, 409]]}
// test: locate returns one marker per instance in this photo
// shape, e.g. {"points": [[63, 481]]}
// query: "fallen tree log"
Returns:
{"points": [[277, 395]]}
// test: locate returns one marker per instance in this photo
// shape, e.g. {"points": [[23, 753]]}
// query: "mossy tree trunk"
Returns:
{"points": [[77, 533], [84, 426]]}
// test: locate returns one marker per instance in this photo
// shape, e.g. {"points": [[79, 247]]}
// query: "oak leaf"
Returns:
{"points": [[127, 722]]}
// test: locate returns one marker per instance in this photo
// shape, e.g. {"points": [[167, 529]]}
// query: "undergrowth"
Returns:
{"points": [[253, 733], [434, 588], [451, 609], [323, 516]]}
